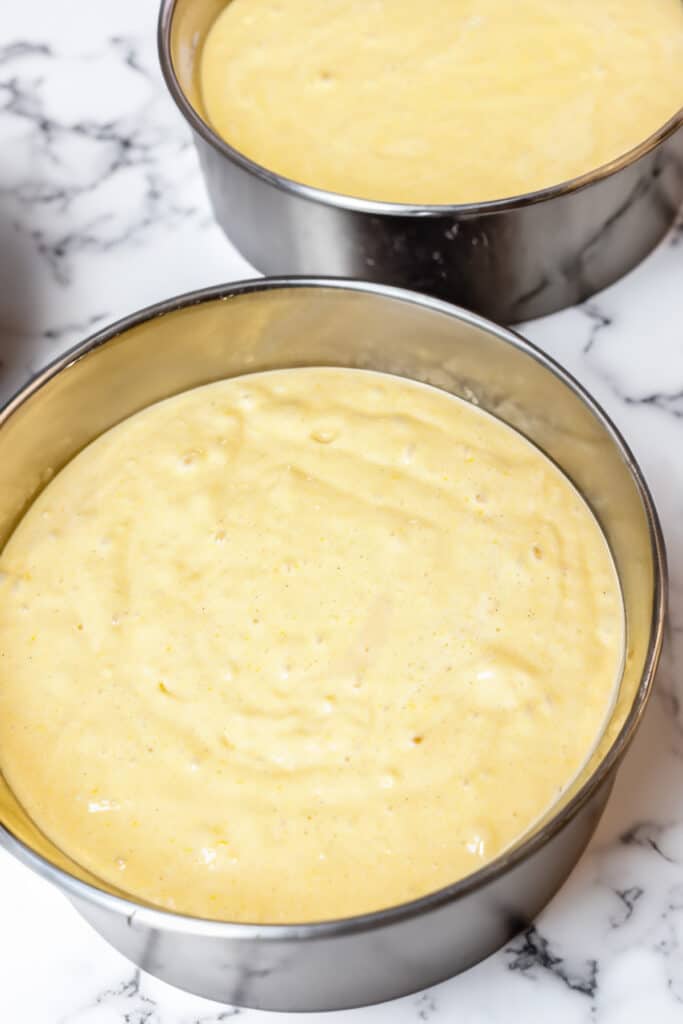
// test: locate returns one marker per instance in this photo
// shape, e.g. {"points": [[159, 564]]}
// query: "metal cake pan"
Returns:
{"points": [[267, 324], [510, 259]]}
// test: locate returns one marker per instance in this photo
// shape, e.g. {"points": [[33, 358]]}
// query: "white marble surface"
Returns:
{"points": [[102, 211]]}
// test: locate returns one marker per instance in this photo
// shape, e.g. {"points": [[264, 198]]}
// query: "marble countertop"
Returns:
{"points": [[102, 211]]}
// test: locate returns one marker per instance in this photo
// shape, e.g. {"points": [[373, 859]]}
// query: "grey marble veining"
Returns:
{"points": [[102, 211]]}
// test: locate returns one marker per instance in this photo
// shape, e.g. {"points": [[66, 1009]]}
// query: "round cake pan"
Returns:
{"points": [[510, 259], [269, 324]]}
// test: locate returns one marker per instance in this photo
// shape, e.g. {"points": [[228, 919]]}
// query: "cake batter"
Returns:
{"points": [[453, 101], [302, 644]]}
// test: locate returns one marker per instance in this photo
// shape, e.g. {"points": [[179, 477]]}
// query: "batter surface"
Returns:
{"points": [[446, 102], [302, 644]]}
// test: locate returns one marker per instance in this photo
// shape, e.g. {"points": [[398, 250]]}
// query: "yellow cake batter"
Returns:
{"points": [[302, 644], [448, 101]]}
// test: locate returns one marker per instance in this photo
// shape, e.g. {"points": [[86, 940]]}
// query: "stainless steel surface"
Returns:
{"points": [[277, 323], [511, 260]]}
